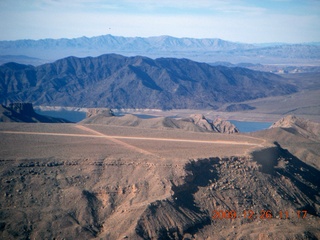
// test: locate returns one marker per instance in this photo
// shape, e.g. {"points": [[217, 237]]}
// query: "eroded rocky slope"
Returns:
{"points": [[114, 199]]}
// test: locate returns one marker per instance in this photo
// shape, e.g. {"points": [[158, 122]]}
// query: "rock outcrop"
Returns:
{"points": [[106, 112], [195, 123], [224, 126], [202, 122], [218, 125]]}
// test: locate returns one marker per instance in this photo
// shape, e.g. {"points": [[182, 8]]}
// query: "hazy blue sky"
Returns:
{"points": [[235, 20]]}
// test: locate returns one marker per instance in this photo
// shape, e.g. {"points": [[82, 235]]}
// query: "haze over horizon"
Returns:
{"points": [[290, 21]]}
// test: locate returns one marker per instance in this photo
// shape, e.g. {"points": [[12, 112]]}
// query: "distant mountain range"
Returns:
{"points": [[206, 50], [116, 81]]}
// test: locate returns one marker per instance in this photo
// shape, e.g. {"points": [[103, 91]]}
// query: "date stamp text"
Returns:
{"points": [[263, 214]]}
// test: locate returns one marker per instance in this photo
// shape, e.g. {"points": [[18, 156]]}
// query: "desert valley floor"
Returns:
{"points": [[92, 181]]}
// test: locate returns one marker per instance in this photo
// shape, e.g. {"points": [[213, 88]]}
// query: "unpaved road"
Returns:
{"points": [[90, 133], [134, 138]]}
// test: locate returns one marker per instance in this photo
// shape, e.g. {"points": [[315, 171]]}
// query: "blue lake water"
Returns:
{"points": [[251, 126], [145, 116], [73, 116], [76, 116]]}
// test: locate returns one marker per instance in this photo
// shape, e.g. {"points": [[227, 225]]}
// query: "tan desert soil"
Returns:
{"points": [[72, 181]]}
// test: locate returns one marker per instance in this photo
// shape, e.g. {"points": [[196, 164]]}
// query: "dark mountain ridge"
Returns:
{"points": [[116, 81]]}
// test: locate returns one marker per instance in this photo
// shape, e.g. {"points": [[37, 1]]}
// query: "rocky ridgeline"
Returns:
{"points": [[196, 122], [302, 126], [38, 164], [24, 112], [22, 108]]}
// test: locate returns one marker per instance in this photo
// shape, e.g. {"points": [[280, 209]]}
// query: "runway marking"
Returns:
{"points": [[136, 138], [115, 140]]}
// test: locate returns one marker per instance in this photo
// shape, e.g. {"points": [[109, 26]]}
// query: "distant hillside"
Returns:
{"points": [[206, 50], [116, 81], [23, 112]]}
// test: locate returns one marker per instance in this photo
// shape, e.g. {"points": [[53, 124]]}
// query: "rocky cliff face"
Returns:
{"points": [[24, 112], [22, 108]]}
